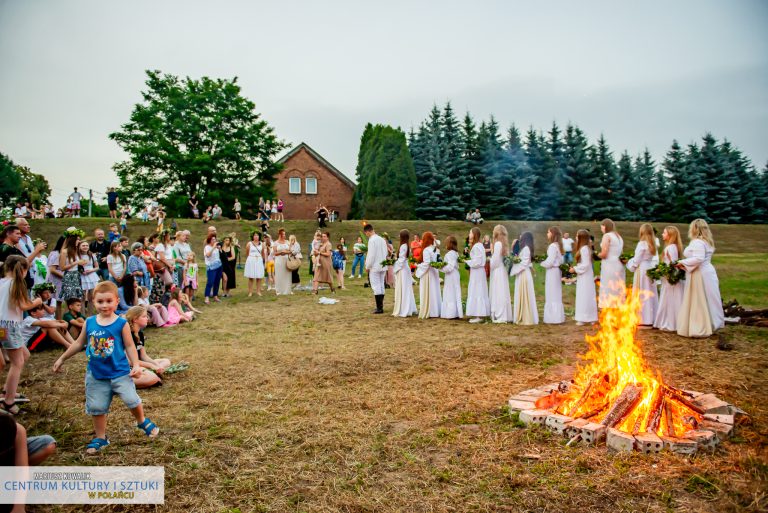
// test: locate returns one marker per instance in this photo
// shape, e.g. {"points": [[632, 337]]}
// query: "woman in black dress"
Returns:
{"points": [[228, 256]]}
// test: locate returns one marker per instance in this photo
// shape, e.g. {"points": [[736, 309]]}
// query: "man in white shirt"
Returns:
{"points": [[76, 197], [377, 253], [568, 248]]}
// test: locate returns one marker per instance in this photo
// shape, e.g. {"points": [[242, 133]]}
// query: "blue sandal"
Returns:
{"points": [[148, 427], [96, 445]]}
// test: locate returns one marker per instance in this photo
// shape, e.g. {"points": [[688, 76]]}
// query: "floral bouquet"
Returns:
{"points": [[625, 257], [412, 260], [668, 271], [388, 261], [565, 270], [538, 259], [437, 265]]}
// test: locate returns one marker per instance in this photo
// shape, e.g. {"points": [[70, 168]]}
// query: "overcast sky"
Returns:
{"points": [[642, 73]]}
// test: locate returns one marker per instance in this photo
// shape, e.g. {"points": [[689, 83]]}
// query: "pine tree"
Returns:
{"points": [[548, 185], [536, 156], [696, 189], [581, 185], [476, 189], [738, 167], [523, 200], [759, 188], [675, 168], [643, 178], [494, 170], [454, 166], [719, 181], [626, 190], [606, 203]]}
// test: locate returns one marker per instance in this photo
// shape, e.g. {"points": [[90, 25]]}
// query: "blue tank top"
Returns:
{"points": [[105, 350]]}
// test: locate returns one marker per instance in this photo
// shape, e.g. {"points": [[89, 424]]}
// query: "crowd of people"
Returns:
{"points": [[691, 306]]}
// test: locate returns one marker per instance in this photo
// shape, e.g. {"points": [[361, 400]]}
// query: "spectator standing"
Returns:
{"points": [[76, 197], [280, 206], [193, 206], [112, 198], [568, 248], [237, 208], [100, 249], [212, 268], [359, 258]]}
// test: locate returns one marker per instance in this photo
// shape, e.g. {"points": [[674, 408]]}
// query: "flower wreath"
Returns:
{"points": [[40, 287], [74, 231]]}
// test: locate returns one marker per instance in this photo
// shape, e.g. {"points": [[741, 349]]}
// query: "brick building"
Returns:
{"points": [[308, 180]]}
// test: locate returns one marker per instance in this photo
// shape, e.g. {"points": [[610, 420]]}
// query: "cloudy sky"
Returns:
{"points": [[642, 73]]}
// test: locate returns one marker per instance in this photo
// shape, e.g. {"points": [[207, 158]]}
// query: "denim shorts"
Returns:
{"points": [[14, 339], [38, 443], [99, 393]]}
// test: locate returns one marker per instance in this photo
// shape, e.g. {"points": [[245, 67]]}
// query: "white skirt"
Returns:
{"points": [[254, 268]]}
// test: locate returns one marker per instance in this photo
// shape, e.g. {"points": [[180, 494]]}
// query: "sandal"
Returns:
{"points": [[96, 445], [20, 398], [150, 428], [11, 409]]}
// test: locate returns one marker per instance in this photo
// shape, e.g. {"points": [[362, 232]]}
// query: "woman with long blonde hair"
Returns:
{"points": [[586, 304], [671, 296], [612, 273], [642, 285], [702, 310], [554, 313], [501, 304], [429, 279]]}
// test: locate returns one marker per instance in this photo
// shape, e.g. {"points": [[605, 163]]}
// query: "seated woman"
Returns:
{"points": [[152, 369]]}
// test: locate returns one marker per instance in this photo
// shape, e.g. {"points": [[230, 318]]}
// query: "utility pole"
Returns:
{"points": [[90, 202]]}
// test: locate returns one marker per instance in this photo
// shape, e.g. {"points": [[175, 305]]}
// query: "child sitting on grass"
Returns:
{"points": [[152, 369], [14, 300], [112, 362], [74, 317], [45, 292], [40, 332], [176, 313], [158, 314]]}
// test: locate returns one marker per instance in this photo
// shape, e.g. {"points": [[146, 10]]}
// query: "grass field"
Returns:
{"points": [[293, 406]]}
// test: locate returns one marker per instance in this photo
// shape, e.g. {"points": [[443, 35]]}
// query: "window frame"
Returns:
{"points": [[306, 185], [291, 182]]}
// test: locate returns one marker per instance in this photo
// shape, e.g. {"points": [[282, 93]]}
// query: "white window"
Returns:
{"points": [[311, 185], [294, 185]]}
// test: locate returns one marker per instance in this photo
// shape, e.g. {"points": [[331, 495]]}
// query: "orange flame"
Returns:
{"points": [[614, 361]]}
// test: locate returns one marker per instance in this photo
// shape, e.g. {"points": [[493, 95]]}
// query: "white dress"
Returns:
{"points": [[501, 304], [282, 274], [405, 302], [586, 302], [671, 296], [451, 307], [554, 313], [478, 303], [254, 264], [612, 274], [701, 300], [89, 281], [642, 285], [525, 311], [429, 285]]}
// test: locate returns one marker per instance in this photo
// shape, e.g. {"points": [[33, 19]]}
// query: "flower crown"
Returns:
{"points": [[74, 231], [40, 287]]}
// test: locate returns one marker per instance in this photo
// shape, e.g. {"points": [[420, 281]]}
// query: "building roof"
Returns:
{"points": [[320, 159]]}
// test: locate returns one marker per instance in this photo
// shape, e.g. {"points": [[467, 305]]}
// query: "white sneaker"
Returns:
{"points": [[475, 320], [352, 276], [359, 275]]}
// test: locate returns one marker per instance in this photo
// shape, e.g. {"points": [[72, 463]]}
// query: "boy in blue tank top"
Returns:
{"points": [[112, 362]]}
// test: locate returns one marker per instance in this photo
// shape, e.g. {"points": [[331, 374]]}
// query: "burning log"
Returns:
{"points": [[677, 396], [623, 405], [670, 431], [655, 412], [587, 391], [592, 413]]}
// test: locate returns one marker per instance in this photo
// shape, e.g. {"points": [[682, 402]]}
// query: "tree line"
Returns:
{"points": [[560, 174], [19, 184]]}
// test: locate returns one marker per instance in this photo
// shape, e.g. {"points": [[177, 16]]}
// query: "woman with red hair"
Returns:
{"points": [[429, 279]]}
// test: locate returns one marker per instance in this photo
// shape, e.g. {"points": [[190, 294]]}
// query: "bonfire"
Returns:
{"points": [[616, 395]]}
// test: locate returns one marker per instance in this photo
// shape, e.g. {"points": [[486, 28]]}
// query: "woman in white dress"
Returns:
{"points": [[554, 313], [282, 274], [643, 286], [501, 304], [405, 302], [671, 296], [586, 301], [429, 279], [612, 273], [478, 303], [451, 307], [254, 263], [525, 311], [701, 313]]}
